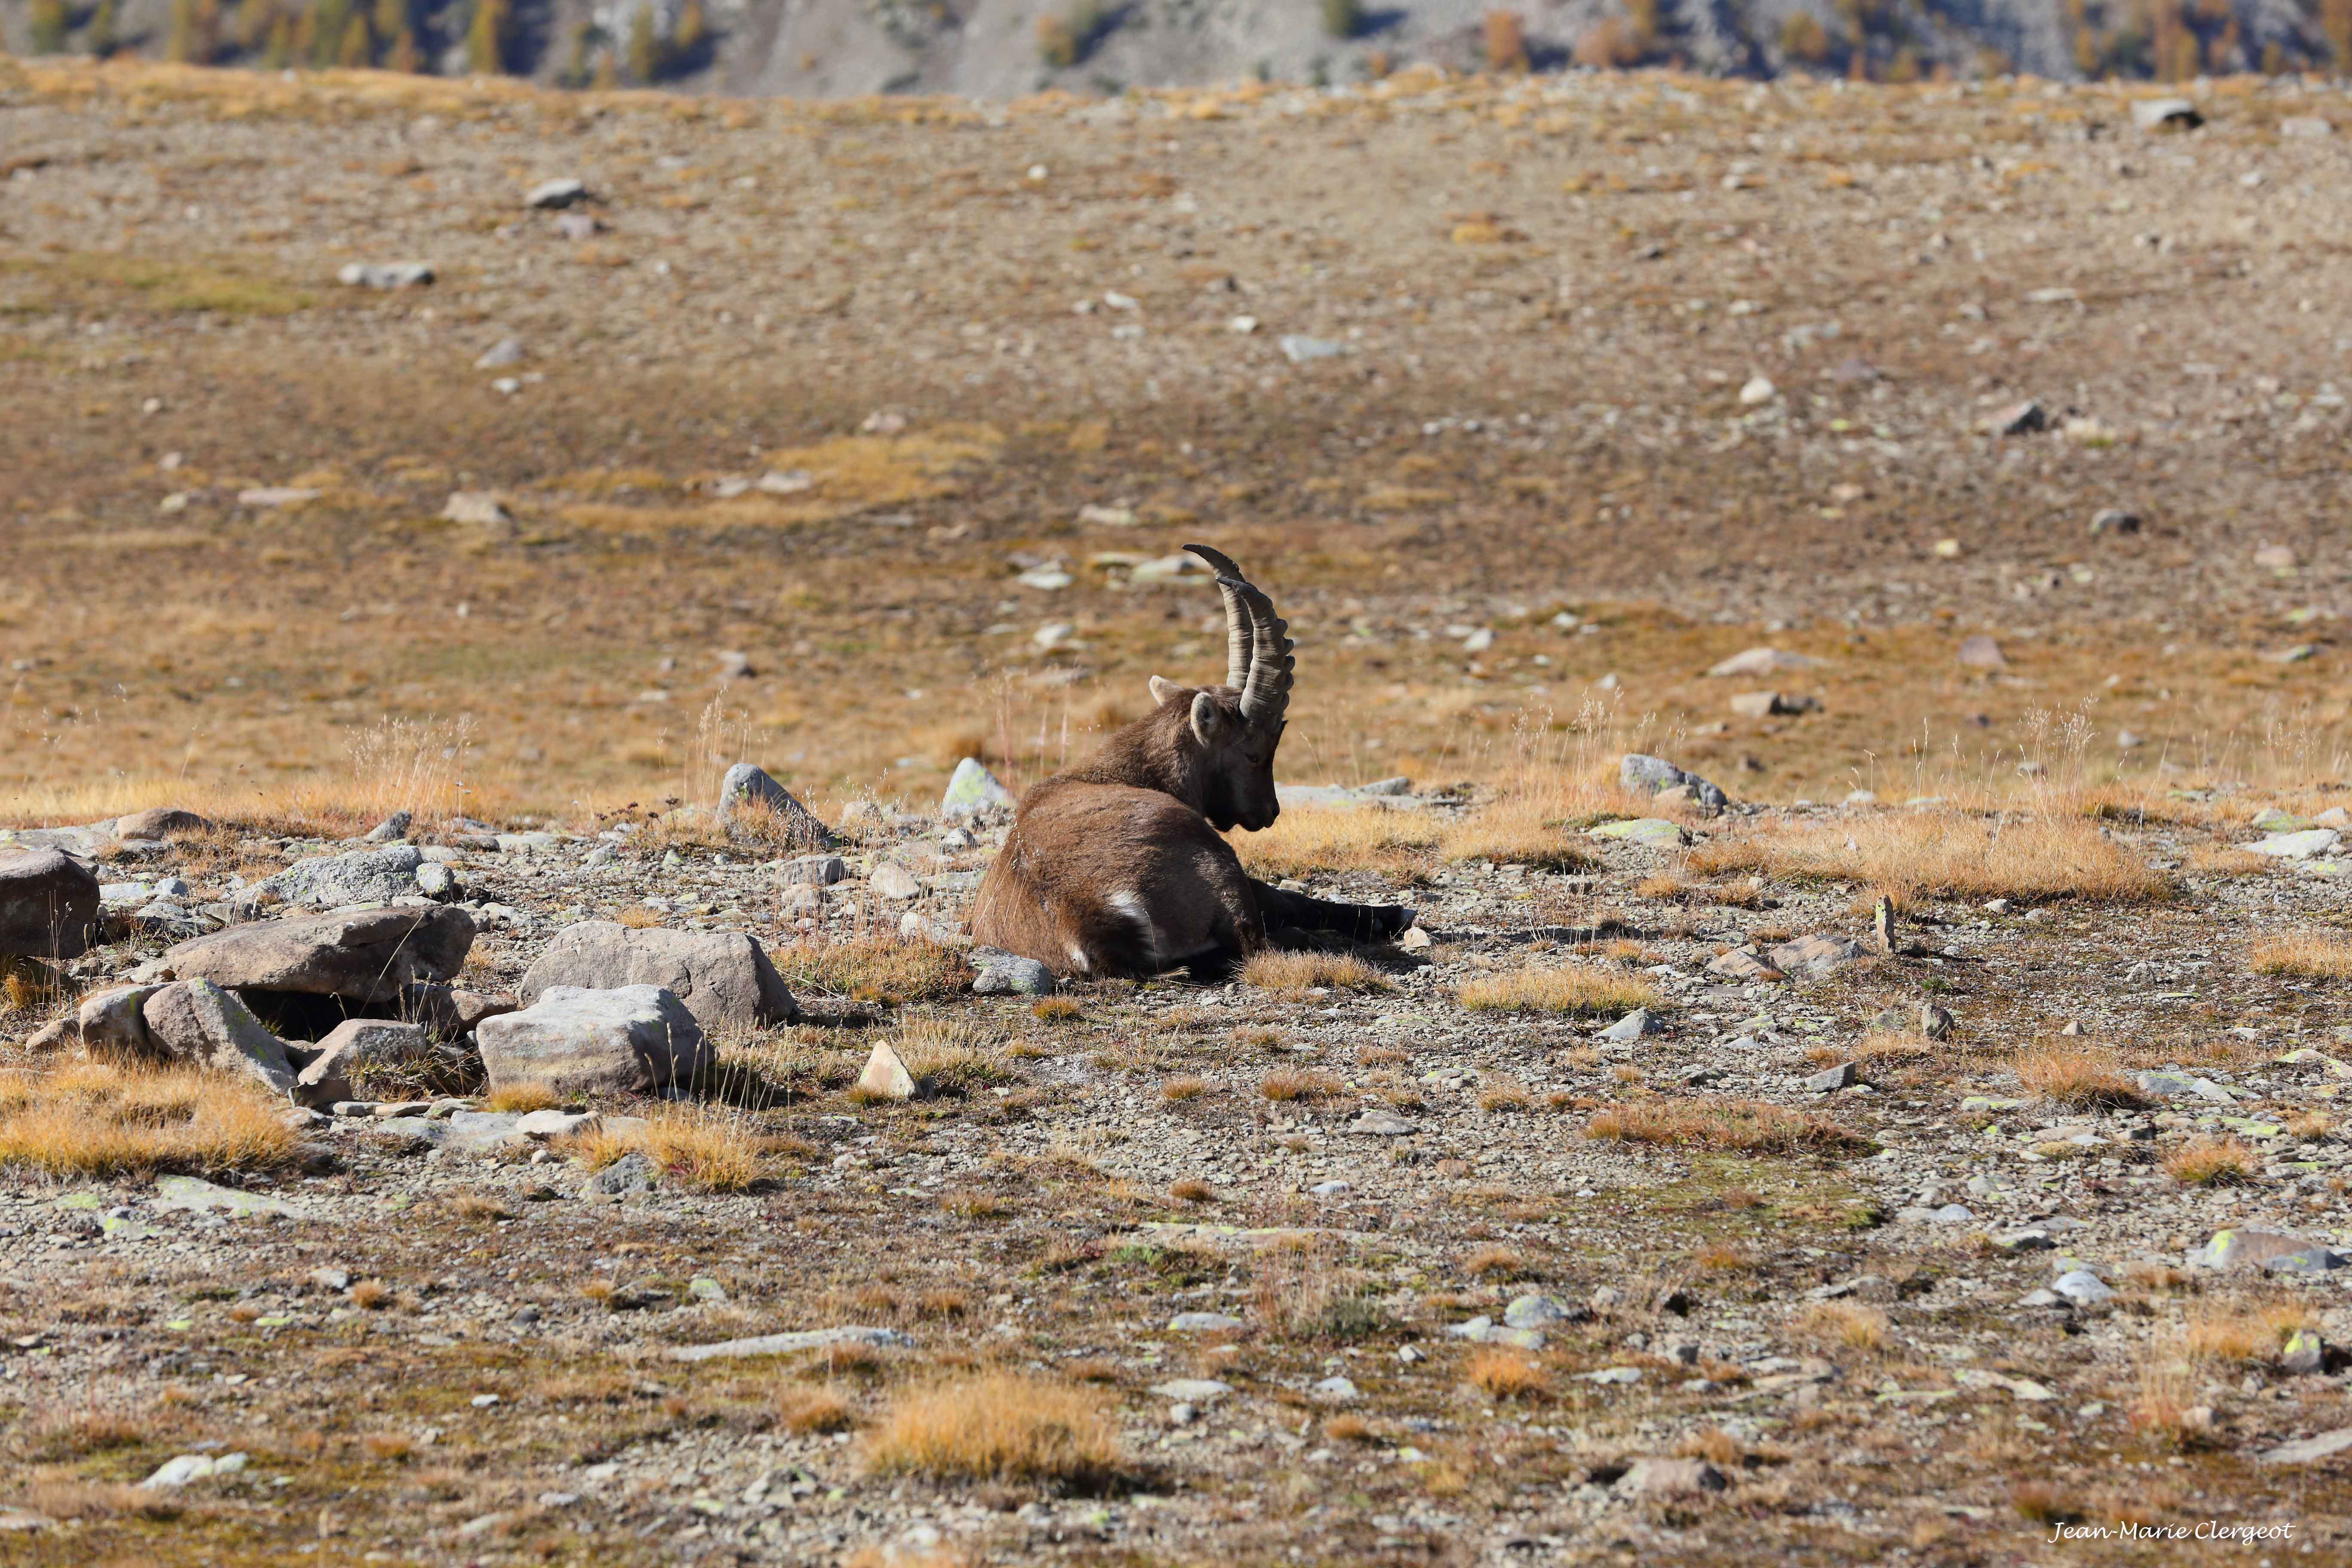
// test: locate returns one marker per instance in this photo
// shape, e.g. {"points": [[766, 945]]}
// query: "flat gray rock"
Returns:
{"points": [[335, 881], [725, 978], [784, 1345], [188, 1195], [633, 1039], [2309, 1450], [198, 1023], [363, 956], [1815, 955]]}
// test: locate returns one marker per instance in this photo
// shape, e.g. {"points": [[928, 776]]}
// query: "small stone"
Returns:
{"points": [[1815, 955], [1008, 974], [556, 194], [893, 881], [750, 801], [1842, 1075], [885, 1075], [1541, 1311], [1757, 389], [2153, 114], [386, 275], [1414, 940], [2083, 1287], [975, 794], [2304, 1353], [1380, 1124], [2109, 520], [1337, 1390], [2300, 846], [1671, 1478], [2306, 125], [815, 870], [1651, 774], [1632, 1027], [1761, 661], [1192, 1390], [1203, 1324], [1980, 652], [2018, 419], [1298, 349]]}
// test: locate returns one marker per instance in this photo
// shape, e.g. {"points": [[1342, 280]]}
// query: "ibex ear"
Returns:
{"points": [[1210, 722], [1164, 691]]}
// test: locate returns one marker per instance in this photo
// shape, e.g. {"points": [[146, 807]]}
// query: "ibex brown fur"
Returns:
{"points": [[1117, 865]]}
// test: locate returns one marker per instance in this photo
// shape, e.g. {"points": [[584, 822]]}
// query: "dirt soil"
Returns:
{"points": [[1633, 373]]}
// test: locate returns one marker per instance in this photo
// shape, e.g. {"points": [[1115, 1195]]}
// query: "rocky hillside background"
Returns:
{"points": [[998, 48]]}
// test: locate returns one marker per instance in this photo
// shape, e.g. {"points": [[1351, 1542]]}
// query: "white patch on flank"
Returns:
{"points": [[1130, 904]]}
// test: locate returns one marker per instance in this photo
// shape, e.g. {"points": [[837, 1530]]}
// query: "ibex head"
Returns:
{"points": [[1225, 737]]}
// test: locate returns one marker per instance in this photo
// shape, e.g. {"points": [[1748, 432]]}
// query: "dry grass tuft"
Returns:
{"points": [[524, 1096], [2043, 1503], [479, 1206], [2212, 1162], [1177, 1090], [1495, 1261], [93, 1118], [1572, 989], [1503, 1095], [1294, 1083], [1295, 973], [1506, 1374], [1751, 1124], [2312, 955], [1055, 1009], [372, 1295], [2079, 1077], [1193, 1190], [2166, 1410], [1948, 855], [1716, 1446], [1847, 1323], [1311, 840], [1000, 1426], [713, 1152], [1517, 830], [803, 1409], [2242, 1331], [874, 969]]}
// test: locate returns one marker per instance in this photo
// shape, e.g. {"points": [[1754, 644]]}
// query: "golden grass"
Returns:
{"points": [[1056, 1009], [1577, 990], [1294, 973], [2309, 954], [1753, 1124], [999, 1427], [1846, 1323], [2212, 1162], [1506, 1375], [874, 969], [1177, 1090], [2165, 1410], [527, 1096], [1315, 839], [1294, 1083], [1948, 855], [1193, 1190], [802, 1408], [1495, 1261], [93, 1118], [1502, 1096], [708, 1150], [2244, 1331], [2079, 1077], [372, 1295], [1517, 830]]}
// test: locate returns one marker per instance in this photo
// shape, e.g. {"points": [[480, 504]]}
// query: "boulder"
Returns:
{"points": [[893, 881], [159, 822], [751, 803], [114, 1021], [639, 1039], [197, 1022], [333, 881], [1008, 974], [1815, 955], [366, 956], [448, 1012], [1673, 1478], [724, 978], [49, 904], [1649, 775], [351, 1044], [975, 794], [1980, 652], [885, 1075]]}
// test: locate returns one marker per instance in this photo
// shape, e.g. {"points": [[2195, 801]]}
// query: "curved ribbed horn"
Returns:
{"points": [[1266, 694], [1241, 638]]}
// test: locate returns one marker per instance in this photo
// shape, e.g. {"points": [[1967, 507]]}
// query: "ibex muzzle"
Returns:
{"points": [[1117, 865]]}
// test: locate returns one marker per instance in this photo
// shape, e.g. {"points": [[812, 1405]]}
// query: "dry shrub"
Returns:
{"points": [[1177, 1090], [2212, 1162], [1846, 1323], [1312, 838], [1302, 1291], [999, 1427], [1348, 1428], [72, 1435], [2043, 1503], [640, 917], [874, 969], [372, 1295], [2079, 1077], [1724, 1124], [2244, 1331], [93, 1118], [2313, 955], [1294, 1083], [803, 1409], [1948, 855], [525, 1096], [1506, 1374], [1517, 830], [1572, 989], [1294, 973], [2166, 1410], [1716, 1446], [950, 1056], [1055, 1009], [709, 1150], [479, 1206], [1193, 1190], [58, 1498], [397, 1448], [1503, 1095], [1495, 1261]]}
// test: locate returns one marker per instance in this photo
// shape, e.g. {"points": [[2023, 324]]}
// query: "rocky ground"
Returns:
{"points": [[1361, 1274]]}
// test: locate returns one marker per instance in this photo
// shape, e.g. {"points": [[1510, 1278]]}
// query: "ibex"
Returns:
{"points": [[1117, 867]]}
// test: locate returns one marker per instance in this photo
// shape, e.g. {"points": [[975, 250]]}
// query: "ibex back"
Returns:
{"points": [[1117, 867]]}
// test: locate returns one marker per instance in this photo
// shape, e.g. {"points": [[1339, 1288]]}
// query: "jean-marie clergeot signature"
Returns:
{"points": [[2205, 1530]]}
